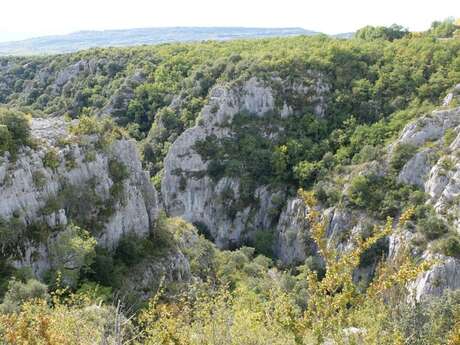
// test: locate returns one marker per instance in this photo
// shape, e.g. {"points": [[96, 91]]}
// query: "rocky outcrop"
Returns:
{"points": [[189, 192], [435, 168], [430, 128], [416, 169], [67, 179], [451, 96], [293, 242], [69, 73], [118, 103], [144, 279], [443, 275]]}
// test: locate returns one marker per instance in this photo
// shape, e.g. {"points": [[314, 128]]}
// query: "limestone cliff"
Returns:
{"points": [[189, 192], [66, 179]]}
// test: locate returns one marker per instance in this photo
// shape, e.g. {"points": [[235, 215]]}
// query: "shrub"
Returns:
{"points": [[374, 253], [401, 154], [6, 271], [156, 180], [11, 232], [328, 194], [130, 250], [447, 164], [103, 127], [367, 153], [19, 292], [51, 159], [363, 191], [430, 322], [432, 227], [39, 179], [90, 156], [263, 242], [6, 139], [306, 172], [70, 319], [449, 136], [102, 268], [95, 292], [450, 246], [72, 251], [118, 171], [389, 33], [70, 161], [14, 130]]}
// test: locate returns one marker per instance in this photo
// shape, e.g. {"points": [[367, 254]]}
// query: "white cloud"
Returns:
{"points": [[39, 17]]}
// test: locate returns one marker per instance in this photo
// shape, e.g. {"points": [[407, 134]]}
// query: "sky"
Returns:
{"points": [[32, 18]]}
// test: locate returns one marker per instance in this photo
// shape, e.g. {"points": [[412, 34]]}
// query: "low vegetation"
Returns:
{"points": [[243, 300]]}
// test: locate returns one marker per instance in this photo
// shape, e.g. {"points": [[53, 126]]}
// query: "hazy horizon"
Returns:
{"points": [[31, 19]]}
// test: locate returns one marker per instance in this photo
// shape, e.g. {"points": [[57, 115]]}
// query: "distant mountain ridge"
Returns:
{"points": [[132, 37]]}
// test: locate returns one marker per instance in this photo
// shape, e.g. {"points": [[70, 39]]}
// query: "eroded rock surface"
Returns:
{"points": [[189, 192], [65, 179]]}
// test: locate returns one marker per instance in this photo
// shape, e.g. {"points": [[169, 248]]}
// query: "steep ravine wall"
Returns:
{"points": [[64, 180], [190, 193]]}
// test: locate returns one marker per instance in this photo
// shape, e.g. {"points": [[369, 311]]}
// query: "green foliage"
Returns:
{"points": [[327, 193], [118, 171], [431, 321], [432, 227], [131, 249], [264, 242], [11, 233], [109, 268], [19, 292], [381, 195], [6, 140], [377, 83], [39, 179], [6, 272], [72, 251], [368, 153], [104, 128], [103, 270], [84, 205], [371, 79], [401, 154], [449, 245], [51, 159], [390, 33], [14, 130], [306, 172], [443, 29], [95, 292], [449, 136]]}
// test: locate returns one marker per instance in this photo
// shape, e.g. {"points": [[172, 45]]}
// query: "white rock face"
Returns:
{"points": [[436, 170], [451, 96], [27, 185], [186, 189], [415, 171], [431, 127], [445, 275], [293, 242]]}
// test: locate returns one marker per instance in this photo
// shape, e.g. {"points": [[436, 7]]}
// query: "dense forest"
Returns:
{"points": [[339, 108]]}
